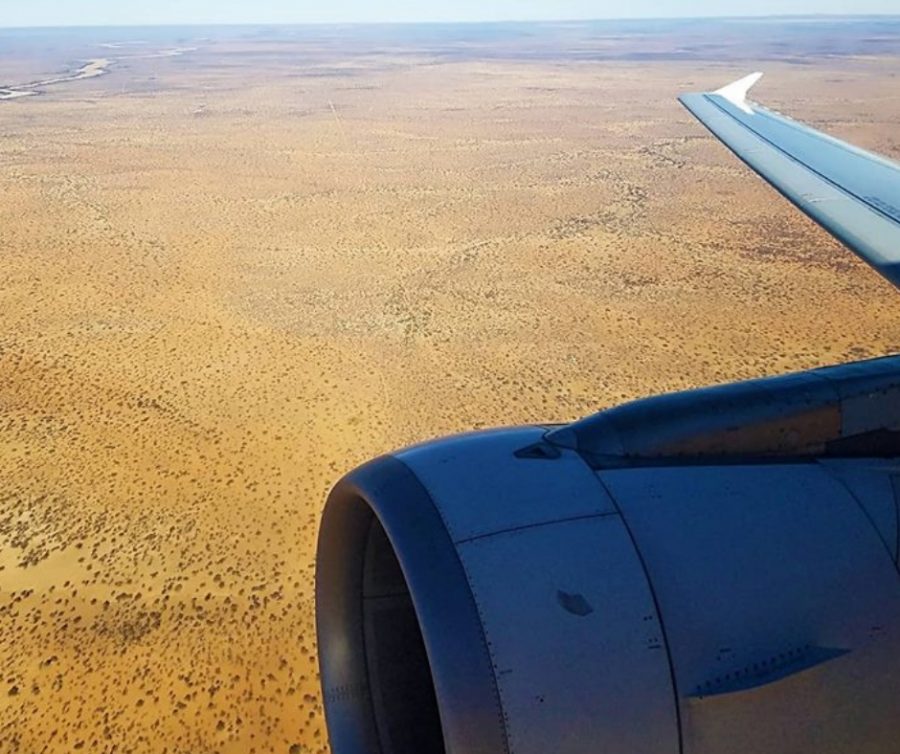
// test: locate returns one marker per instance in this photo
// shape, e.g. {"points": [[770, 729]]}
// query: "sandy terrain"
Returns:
{"points": [[230, 275]]}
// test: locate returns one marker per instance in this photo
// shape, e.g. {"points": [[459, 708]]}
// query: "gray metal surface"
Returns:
{"points": [[772, 574], [873, 483], [853, 194], [851, 409], [580, 656], [693, 608], [481, 487]]}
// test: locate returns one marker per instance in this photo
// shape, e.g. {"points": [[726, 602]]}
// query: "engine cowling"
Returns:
{"points": [[500, 592]]}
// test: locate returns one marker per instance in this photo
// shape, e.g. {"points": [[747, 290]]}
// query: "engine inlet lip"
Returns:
{"points": [[470, 708]]}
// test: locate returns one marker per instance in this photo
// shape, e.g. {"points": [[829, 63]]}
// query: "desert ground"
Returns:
{"points": [[237, 263]]}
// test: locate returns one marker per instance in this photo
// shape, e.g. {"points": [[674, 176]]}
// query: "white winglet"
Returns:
{"points": [[736, 93]]}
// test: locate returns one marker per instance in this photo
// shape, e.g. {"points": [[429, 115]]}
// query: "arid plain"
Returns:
{"points": [[240, 262]]}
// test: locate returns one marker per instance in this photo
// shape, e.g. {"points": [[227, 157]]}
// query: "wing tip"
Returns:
{"points": [[736, 92]]}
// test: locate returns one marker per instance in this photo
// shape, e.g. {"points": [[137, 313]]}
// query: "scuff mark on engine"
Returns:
{"points": [[574, 603]]}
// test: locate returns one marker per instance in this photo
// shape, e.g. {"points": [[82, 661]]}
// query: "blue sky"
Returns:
{"points": [[116, 12]]}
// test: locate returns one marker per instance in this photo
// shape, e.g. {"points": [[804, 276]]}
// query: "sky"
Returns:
{"points": [[146, 12]]}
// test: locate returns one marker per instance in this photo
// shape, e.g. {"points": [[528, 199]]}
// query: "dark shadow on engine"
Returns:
{"points": [[400, 682]]}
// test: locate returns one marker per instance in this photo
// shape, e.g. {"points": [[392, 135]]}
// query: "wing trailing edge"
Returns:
{"points": [[852, 193]]}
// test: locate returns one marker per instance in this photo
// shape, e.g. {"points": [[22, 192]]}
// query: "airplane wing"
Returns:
{"points": [[853, 194]]}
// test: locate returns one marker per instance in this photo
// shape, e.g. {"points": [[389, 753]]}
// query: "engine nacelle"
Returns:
{"points": [[497, 593]]}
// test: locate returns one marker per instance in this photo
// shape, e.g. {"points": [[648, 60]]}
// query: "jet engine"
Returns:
{"points": [[707, 572]]}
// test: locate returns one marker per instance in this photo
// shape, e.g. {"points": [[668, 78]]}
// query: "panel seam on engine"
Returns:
{"points": [[656, 605], [525, 527], [859, 504], [482, 628]]}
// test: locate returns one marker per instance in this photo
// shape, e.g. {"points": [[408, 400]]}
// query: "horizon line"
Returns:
{"points": [[450, 22]]}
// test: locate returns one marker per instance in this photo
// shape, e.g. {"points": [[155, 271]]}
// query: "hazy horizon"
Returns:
{"points": [[486, 22], [107, 13]]}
